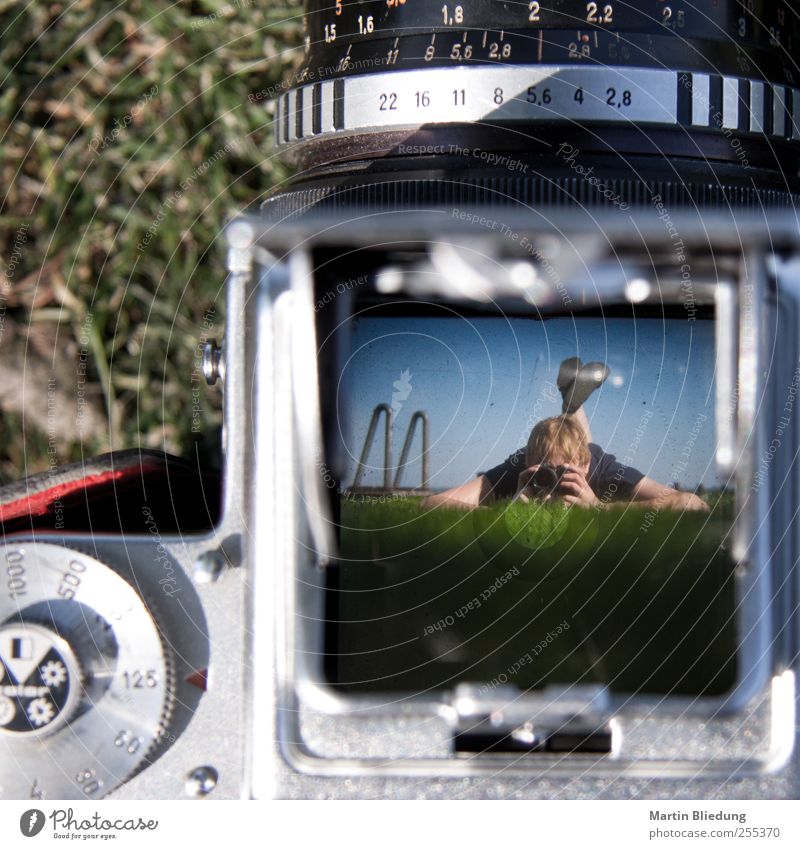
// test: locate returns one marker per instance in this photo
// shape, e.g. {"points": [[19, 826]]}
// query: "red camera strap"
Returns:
{"points": [[113, 492]]}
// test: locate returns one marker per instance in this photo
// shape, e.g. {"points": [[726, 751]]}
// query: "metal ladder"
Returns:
{"points": [[390, 485]]}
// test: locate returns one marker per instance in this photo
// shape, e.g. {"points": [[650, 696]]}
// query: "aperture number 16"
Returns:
{"points": [[422, 99]]}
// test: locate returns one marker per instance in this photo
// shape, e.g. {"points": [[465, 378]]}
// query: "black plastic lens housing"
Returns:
{"points": [[558, 102]]}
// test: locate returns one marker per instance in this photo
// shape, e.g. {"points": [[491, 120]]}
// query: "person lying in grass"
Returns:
{"points": [[587, 475]]}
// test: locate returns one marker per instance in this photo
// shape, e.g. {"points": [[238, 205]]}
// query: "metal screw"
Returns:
{"points": [[208, 567], [201, 781], [212, 361], [240, 235]]}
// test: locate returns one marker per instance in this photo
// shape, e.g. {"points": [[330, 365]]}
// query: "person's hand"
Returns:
{"points": [[575, 489]]}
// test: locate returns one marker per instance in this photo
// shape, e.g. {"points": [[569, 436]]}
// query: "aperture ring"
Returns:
{"points": [[647, 97]]}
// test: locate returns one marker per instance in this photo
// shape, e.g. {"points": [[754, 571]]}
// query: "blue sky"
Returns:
{"points": [[485, 382]]}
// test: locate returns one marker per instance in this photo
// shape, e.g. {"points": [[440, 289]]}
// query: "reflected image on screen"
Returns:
{"points": [[530, 503]]}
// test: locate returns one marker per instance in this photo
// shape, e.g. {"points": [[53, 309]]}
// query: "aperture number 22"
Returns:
{"points": [[422, 99]]}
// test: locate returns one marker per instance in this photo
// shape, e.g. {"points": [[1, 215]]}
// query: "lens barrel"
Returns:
{"points": [[555, 102], [546, 478]]}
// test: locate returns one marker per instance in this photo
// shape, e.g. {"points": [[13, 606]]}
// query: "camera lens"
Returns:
{"points": [[556, 103], [546, 478]]}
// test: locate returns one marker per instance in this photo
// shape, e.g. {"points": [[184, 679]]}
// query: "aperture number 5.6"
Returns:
{"points": [[536, 95]]}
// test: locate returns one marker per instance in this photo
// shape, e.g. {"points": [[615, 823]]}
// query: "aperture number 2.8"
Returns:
{"points": [[622, 100]]}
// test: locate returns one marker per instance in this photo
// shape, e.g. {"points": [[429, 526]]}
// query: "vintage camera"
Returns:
{"points": [[483, 190], [545, 479]]}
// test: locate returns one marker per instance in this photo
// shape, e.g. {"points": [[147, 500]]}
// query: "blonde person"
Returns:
{"points": [[587, 475]]}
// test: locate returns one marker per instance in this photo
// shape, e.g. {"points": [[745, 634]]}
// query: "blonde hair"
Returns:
{"points": [[560, 435]]}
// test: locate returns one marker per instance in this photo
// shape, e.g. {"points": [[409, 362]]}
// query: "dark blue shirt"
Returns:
{"points": [[608, 478]]}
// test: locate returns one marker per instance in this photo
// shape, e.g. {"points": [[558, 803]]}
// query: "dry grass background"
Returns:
{"points": [[128, 136]]}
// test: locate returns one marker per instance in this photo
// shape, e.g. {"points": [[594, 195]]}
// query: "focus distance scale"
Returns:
{"points": [[691, 102], [730, 32], [732, 56], [85, 682]]}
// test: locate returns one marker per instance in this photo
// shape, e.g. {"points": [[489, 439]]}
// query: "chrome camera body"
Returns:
{"points": [[314, 741], [485, 199], [250, 599]]}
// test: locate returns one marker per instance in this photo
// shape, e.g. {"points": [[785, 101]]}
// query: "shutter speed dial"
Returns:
{"points": [[86, 687], [40, 681]]}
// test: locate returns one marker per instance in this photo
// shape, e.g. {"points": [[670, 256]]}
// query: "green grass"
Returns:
{"points": [[114, 121], [649, 596]]}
